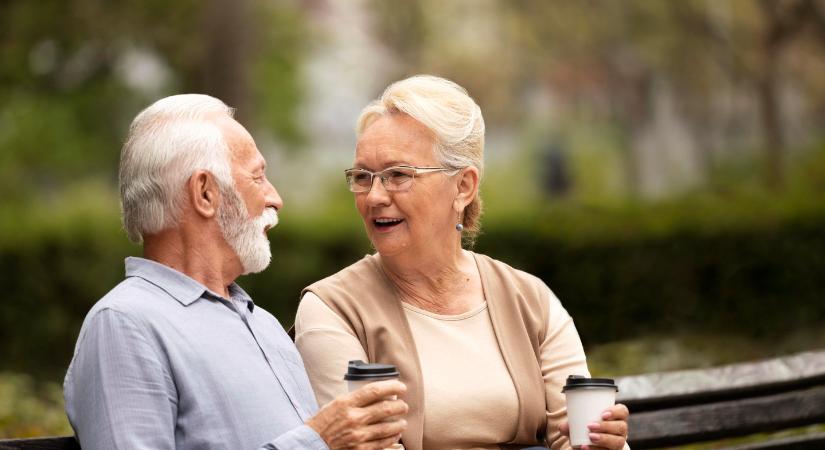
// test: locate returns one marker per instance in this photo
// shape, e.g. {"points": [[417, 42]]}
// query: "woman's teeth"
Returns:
{"points": [[387, 222]]}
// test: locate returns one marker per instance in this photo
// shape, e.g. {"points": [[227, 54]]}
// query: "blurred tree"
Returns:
{"points": [[728, 67], [784, 22], [73, 74]]}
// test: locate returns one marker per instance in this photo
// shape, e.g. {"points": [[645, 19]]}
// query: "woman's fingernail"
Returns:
{"points": [[594, 426], [607, 415], [595, 437]]}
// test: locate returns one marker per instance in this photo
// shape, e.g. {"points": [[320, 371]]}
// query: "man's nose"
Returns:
{"points": [[273, 199]]}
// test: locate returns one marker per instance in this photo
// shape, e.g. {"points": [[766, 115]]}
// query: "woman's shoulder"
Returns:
{"points": [[356, 288], [365, 268], [501, 269]]}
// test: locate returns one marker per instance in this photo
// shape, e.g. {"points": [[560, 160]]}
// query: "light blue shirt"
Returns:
{"points": [[163, 363]]}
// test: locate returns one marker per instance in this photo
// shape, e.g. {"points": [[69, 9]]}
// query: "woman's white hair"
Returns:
{"points": [[451, 114], [167, 143]]}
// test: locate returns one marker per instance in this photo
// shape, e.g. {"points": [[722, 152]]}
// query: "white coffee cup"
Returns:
{"points": [[587, 399], [360, 374]]}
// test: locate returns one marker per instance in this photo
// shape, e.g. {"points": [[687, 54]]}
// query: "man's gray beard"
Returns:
{"points": [[245, 235]]}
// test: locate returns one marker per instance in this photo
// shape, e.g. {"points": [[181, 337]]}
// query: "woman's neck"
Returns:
{"points": [[445, 283]]}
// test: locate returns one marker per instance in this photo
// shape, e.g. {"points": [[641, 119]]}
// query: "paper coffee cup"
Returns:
{"points": [[587, 399], [360, 373]]}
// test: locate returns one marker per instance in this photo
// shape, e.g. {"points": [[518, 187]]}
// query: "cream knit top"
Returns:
{"points": [[470, 398]]}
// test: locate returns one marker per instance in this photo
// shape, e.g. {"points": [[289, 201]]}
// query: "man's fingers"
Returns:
{"points": [[388, 442], [378, 390], [382, 431], [385, 409]]}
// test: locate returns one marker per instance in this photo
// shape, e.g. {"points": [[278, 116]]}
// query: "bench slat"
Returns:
{"points": [[49, 443], [706, 422], [808, 442], [682, 388]]}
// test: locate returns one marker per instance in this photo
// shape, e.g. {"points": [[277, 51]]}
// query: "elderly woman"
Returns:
{"points": [[483, 348]]}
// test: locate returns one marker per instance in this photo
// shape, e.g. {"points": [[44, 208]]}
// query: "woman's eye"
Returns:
{"points": [[398, 175]]}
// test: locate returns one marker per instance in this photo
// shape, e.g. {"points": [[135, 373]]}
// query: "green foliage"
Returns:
{"points": [[677, 267], [698, 265], [29, 408]]}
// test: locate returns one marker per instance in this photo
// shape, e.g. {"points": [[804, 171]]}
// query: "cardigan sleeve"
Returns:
{"points": [[561, 354], [326, 344]]}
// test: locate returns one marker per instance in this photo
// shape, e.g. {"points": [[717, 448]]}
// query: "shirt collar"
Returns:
{"points": [[238, 294], [178, 285]]}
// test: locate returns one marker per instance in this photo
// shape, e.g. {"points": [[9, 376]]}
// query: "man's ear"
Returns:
{"points": [[204, 193], [468, 181]]}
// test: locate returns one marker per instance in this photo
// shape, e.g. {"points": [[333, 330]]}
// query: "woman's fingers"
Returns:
{"points": [[616, 412], [611, 433]]}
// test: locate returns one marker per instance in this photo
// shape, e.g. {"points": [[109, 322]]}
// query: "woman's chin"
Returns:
{"points": [[388, 247]]}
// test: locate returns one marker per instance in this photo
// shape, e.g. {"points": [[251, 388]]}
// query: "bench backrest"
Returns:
{"points": [[676, 408], [50, 443], [682, 407]]}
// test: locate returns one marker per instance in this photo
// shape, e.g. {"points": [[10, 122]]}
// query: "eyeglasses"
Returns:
{"points": [[396, 178]]}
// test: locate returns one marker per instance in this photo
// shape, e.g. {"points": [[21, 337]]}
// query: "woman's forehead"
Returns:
{"points": [[395, 138]]}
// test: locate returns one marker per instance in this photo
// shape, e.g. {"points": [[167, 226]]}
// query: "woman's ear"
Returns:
{"points": [[204, 193], [468, 181]]}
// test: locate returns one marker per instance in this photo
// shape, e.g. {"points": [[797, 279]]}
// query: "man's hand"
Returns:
{"points": [[366, 419], [610, 433]]}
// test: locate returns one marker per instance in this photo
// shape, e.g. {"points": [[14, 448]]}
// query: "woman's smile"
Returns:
{"points": [[386, 224]]}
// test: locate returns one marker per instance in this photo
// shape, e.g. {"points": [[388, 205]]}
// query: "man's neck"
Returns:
{"points": [[196, 255]]}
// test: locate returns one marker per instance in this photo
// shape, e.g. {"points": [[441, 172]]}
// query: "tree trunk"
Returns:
{"points": [[771, 115], [226, 36]]}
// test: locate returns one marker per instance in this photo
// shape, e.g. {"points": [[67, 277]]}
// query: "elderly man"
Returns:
{"points": [[177, 356]]}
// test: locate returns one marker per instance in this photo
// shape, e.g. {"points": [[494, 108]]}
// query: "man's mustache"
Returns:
{"points": [[269, 218]]}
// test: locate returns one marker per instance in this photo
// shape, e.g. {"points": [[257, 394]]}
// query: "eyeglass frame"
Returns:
{"points": [[385, 179]]}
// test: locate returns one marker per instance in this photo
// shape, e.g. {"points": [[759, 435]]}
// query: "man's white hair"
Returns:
{"points": [[450, 113], [167, 143]]}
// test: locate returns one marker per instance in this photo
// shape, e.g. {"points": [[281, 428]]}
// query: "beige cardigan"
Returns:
{"points": [[518, 305]]}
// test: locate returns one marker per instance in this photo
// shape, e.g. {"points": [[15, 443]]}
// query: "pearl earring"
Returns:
{"points": [[459, 227]]}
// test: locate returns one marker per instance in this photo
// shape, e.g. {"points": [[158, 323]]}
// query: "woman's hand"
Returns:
{"points": [[610, 433]]}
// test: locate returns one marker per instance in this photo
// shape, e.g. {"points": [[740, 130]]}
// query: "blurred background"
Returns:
{"points": [[660, 164]]}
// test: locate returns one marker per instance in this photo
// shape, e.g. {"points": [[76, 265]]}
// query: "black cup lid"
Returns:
{"points": [[359, 370], [580, 382]]}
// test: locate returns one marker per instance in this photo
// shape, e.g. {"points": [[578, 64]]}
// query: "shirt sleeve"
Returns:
{"points": [[118, 393], [561, 354], [326, 344], [301, 438]]}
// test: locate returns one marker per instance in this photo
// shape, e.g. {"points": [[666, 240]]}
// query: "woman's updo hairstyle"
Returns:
{"points": [[450, 113]]}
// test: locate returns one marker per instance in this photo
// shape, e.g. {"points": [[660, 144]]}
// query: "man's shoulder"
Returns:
{"points": [[134, 297]]}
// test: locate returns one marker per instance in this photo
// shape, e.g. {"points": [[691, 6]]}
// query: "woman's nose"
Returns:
{"points": [[378, 194]]}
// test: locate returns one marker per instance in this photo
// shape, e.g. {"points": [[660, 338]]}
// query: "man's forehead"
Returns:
{"points": [[242, 146]]}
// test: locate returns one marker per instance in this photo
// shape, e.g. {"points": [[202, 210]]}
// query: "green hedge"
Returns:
{"points": [[760, 282], [633, 277]]}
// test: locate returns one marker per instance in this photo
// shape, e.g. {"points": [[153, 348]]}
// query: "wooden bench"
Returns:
{"points": [[49, 443], [676, 408]]}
